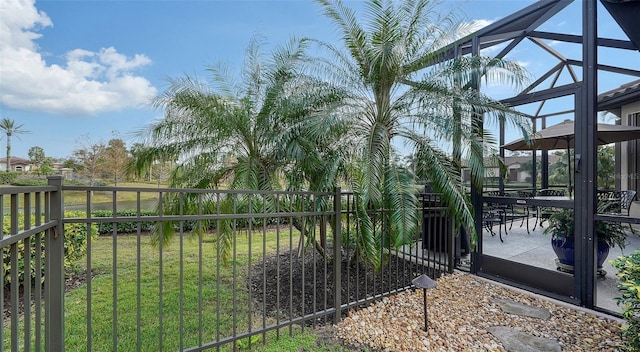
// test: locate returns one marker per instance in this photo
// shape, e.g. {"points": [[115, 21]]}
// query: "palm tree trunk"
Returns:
{"points": [[8, 151]]}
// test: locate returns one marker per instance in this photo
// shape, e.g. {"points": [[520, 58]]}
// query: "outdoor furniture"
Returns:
{"points": [[616, 202], [562, 136], [545, 212], [626, 198], [608, 202], [528, 209], [506, 211], [492, 216]]}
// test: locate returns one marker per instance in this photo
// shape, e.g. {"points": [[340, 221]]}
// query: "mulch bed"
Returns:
{"points": [[72, 281], [277, 285]]}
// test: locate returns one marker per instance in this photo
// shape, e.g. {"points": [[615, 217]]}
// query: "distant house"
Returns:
{"points": [[66, 172], [24, 165], [515, 172], [17, 164]]}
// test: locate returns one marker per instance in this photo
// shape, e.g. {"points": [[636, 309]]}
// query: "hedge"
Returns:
{"points": [[75, 246]]}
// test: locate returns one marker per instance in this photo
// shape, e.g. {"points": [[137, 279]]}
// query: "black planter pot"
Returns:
{"points": [[565, 251]]}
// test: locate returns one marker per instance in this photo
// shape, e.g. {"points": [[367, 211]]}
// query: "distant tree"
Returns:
{"points": [[71, 163], [412, 164], [606, 167], [10, 128], [136, 151], [528, 167], [44, 170], [89, 157], [36, 154], [115, 159], [161, 171], [558, 170]]}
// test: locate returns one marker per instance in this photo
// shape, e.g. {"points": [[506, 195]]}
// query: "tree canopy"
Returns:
{"points": [[289, 121]]}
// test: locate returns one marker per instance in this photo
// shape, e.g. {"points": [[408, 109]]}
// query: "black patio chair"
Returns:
{"points": [[545, 212], [492, 216], [616, 203], [528, 209], [507, 211]]}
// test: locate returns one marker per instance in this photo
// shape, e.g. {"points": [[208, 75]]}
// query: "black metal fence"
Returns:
{"points": [[192, 270]]}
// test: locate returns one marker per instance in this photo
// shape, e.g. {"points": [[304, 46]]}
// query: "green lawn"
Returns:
{"points": [[213, 324]]}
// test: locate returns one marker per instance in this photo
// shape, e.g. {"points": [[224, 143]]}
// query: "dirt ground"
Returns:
{"points": [[290, 277]]}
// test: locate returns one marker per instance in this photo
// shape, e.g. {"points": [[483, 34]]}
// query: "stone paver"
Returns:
{"points": [[512, 307], [515, 340]]}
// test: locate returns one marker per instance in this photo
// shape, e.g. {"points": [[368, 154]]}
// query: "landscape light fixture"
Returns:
{"points": [[424, 282]]}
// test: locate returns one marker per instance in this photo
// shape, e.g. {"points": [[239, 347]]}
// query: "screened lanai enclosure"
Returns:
{"points": [[594, 77], [134, 296]]}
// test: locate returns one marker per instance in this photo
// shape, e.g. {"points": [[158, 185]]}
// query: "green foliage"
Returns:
{"points": [[45, 169], [558, 170], [123, 227], [605, 169], [248, 342], [249, 132], [75, 239], [30, 182], [37, 156], [75, 246], [399, 97], [562, 225], [8, 178], [629, 288]]}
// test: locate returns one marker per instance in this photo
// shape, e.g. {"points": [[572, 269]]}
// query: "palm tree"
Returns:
{"points": [[397, 97], [243, 134], [10, 128]]}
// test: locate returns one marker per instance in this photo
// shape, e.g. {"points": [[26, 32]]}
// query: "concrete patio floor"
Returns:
{"points": [[534, 249]]}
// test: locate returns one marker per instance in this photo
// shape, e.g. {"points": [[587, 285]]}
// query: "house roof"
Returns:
{"points": [[516, 159], [623, 95], [15, 161], [513, 160]]}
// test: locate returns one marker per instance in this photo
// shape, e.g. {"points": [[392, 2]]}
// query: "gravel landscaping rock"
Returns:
{"points": [[461, 311]]}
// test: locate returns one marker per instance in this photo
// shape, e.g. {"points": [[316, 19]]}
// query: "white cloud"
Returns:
{"points": [[88, 83], [555, 43]]}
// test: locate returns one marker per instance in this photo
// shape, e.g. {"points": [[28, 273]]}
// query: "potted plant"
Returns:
{"points": [[562, 229]]}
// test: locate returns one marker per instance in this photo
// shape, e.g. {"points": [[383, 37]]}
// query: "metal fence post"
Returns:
{"points": [[54, 272], [337, 254]]}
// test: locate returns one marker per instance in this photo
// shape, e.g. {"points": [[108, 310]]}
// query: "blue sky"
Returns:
{"points": [[74, 72]]}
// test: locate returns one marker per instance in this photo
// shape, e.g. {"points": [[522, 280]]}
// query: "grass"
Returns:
{"points": [[305, 341], [213, 297], [219, 289], [72, 198]]}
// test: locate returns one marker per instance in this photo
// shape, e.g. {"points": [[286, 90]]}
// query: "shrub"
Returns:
{"points": [[123, 227], [629, 288], [8, 178], [75, 239], [30, 182], [75, 246]]}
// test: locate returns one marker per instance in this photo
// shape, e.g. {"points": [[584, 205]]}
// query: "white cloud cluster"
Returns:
{"points": [[87, 83]]}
